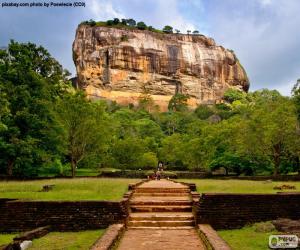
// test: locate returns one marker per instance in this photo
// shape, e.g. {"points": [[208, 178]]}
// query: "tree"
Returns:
{"points": [[232, 95], [30, 82], [172, 151], [272, 127], [296, 97], [116, 21], [151, 28], [148, 161], [195, 32], [110, 22], [203, 112], [141, 25], [131, 22], [85, 128], [92, 22], [177, 31], [128, 152], [168, 29], [178, 102], [188, 31], [124, 21], [148, 128], [146, 102]]}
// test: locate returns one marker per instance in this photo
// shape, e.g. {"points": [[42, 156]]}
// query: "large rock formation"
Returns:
{"points": [[123, 64]]}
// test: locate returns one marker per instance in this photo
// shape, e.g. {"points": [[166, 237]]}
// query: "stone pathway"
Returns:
{"points": [[161, 218]]}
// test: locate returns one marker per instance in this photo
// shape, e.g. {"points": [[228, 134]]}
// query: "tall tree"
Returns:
{"points": [[85, 128], [30, 82]]}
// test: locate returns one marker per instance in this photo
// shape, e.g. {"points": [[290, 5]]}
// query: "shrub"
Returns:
{"points": [[168, 29], [124, 38], [141, 25]]}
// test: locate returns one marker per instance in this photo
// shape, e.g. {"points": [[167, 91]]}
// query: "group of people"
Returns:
{"points": [[157, 173]]}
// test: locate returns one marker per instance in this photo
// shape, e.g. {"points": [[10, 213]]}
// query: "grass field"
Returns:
{"points": [[246, 238], [6, 238], [239, 186], [67, 240], [114, 188], [67, 189]]}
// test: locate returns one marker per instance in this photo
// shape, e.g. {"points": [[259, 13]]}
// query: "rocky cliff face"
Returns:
{"points": [[123, 64]]}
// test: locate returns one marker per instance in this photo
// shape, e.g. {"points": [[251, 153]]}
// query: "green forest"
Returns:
{"points": [[47, 126]]}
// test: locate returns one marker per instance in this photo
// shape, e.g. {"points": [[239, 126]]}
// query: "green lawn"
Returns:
{"points": [[239, 186], [246, 238], [6, 238], [67, 240], [114, 188], [67, 189]]}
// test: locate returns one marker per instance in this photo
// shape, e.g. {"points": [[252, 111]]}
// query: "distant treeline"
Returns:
{"points": [[46, 126], [132, 24]]}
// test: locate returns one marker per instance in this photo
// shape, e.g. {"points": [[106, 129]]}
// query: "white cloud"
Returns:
{"points": [[265, 40], [265, 2], [102, 10]]}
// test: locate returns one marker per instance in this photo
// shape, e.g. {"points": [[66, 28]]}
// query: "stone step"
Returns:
{"points": [[161, 216], [161, 203], [137, 194], [147, 223], [162, 190], [160, 208], [164, 228]]}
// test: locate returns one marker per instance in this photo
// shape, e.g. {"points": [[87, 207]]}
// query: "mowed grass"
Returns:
{"points": [[67, 240], [67, 189], [6, 238], [114, 188], [239, 186], [246, 238]]}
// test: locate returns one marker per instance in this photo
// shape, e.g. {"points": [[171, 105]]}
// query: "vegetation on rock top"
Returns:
{"points": [[132, 24]]}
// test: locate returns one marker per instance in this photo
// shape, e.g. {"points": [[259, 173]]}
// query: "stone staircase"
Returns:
{"points": [[161, 205]]}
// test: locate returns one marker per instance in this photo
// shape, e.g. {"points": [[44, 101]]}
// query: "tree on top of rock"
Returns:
{"points": [[168, 29], [141, 25]]}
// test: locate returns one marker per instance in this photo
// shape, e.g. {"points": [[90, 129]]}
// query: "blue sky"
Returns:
{"points": [[263, 33]]}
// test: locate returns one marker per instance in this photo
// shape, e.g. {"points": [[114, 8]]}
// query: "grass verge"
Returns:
{"points": [[67, 189], [6, 238], [239, 186], [67, 240], [246, 238]]}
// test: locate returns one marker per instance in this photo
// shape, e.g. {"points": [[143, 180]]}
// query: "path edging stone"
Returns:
{"points": [[211, 238], [109, 238]]}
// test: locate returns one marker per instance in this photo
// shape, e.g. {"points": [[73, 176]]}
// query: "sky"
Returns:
{"points": [[263, 33]]}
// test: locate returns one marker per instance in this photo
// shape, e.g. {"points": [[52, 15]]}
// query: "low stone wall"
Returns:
{"points": [[110, 237], [229, 211], [258, 178], [211, 238], [19, 215]]}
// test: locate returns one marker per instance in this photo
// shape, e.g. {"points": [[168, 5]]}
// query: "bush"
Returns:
{"points": [[124, 38], [141, 25], [264, 227], [168, 29], [232, 95], [203, 112], [148, 160]]}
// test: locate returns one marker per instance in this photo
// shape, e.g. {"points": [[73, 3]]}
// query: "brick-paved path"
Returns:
{"points": [[161, 219], [161, 239]]}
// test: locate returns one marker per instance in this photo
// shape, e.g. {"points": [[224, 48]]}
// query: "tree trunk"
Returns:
{"points": [[298, 164], [73, 166], [10, 165], [277, 159], [226, 171]]}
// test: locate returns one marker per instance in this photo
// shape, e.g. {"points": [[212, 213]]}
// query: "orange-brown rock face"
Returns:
{"points": [[121, 64]]}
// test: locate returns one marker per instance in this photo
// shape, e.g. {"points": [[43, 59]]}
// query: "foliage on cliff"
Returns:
{"points": [[132, 24], [46, 126]]}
